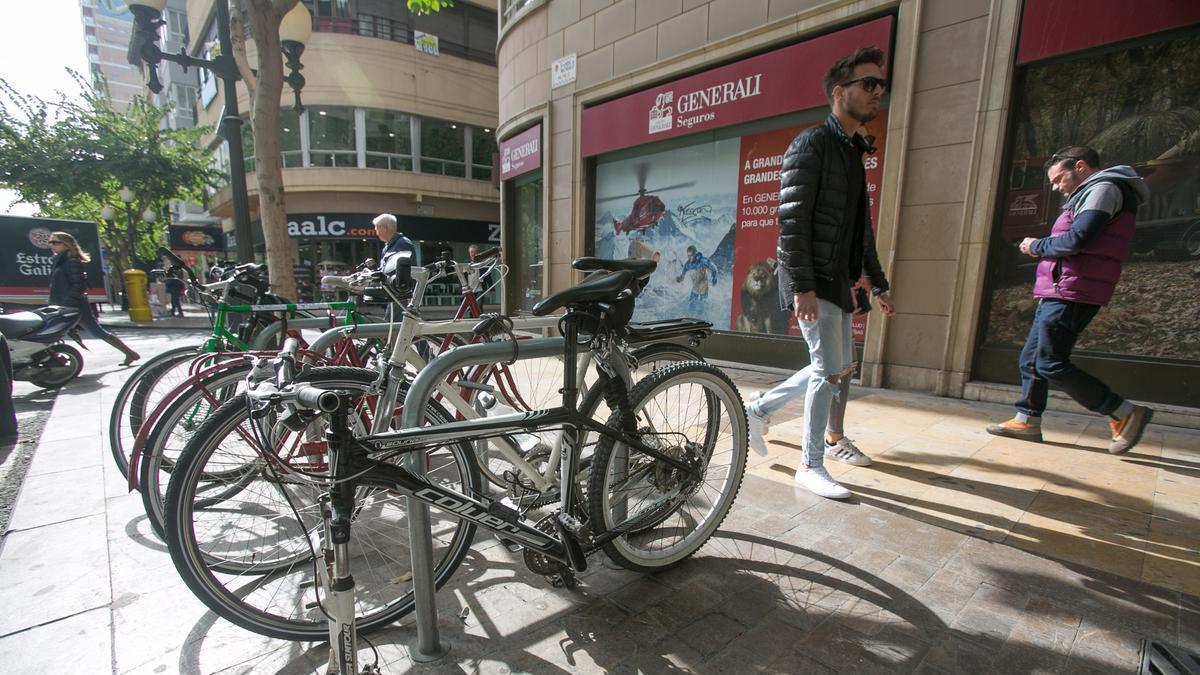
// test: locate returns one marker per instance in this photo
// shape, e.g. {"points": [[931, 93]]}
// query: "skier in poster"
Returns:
{"points": [[696, 265]]}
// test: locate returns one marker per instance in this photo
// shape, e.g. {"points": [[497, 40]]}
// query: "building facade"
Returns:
{"points": [[399, 117], [107, 25], [645, 128]]}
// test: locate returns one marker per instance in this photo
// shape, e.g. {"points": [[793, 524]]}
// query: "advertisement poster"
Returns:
{"points": [[707, 214], [677, 207], [28, 260]]}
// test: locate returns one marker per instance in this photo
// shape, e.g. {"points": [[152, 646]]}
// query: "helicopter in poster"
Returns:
{"points": [[648, 209]]}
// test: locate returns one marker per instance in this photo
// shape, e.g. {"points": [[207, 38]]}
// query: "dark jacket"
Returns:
{"points": [[814, 209], [68, 283]]}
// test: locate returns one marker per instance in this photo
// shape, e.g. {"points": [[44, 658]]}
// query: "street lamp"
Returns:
{"points": [[126, 195], [294, 30]]}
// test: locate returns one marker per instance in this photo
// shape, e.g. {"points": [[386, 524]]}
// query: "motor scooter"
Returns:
{"points": [[39, 354]]}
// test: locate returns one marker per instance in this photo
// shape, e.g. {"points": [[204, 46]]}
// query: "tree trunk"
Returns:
{"points": [[265, 16]]}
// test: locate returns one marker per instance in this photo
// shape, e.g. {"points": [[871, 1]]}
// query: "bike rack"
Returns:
{"points": [[266, 337], [429, 646], [331, 336]]}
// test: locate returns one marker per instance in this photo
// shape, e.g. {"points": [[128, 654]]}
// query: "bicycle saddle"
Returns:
{"points": [[601, 288], [641, 269]]}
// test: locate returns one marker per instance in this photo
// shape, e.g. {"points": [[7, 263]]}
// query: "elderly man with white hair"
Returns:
{"points": [[393, 241]]}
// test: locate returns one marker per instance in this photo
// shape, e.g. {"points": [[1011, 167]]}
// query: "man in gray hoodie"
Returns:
{"points": [[1078, 269]]}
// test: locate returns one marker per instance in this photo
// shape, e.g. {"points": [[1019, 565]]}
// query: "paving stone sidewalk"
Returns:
{"points": [[791, 584]]}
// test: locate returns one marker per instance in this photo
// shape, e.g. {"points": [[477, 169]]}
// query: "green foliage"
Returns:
{"points": [[427, 6], [72, 157]]}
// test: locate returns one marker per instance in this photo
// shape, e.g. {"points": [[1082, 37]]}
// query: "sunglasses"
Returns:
{"points": [[869, 83]]}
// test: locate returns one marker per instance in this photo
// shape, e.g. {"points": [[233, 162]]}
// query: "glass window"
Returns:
{"points": [[483, 146], [442, 148], [184, 98], [1135, 106], [525, 236], [331, 136], [389, 140], [289, 136]]}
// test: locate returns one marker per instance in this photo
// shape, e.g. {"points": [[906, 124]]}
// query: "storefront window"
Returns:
{"points": [[443, 149], [331, 137], [1136, 105], [389, 140], [483, 146], [525, 250]]}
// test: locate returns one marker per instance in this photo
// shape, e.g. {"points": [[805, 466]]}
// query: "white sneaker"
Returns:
{"points": [[819, 482], [847, 452], [758, 426]]}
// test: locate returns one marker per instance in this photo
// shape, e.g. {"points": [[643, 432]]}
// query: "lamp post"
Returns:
{"points": [[108, 214], [294, 31], [127, 196]]}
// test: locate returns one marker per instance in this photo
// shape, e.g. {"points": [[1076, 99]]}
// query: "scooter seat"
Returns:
{"points": [[17, 324]]}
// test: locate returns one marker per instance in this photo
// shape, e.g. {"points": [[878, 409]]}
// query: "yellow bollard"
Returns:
{"points": [[135, 290]]}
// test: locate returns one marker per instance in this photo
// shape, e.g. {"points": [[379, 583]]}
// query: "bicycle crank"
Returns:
{"points": [[558, 573]]}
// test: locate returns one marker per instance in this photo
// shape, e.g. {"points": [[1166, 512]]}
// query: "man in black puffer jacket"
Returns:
{"points": [[825, 245]]}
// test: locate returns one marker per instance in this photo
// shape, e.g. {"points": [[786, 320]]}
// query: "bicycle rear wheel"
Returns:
{"points": [[691, 412], [236, 543], [180, 420]]}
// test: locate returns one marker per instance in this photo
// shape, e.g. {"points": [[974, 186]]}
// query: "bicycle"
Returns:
{"points": [[236, 326], [352, 483]]}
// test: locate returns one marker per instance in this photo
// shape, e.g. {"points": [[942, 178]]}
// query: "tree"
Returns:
{"points": [[70, 158], [264, 84]]}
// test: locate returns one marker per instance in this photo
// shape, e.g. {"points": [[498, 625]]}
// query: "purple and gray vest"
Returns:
{"points": [[1090, 276]]}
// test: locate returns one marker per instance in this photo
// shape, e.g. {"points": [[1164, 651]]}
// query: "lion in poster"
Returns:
{"points": [[760, 302]]}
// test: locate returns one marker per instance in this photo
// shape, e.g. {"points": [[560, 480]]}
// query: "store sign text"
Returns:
{"points": [[320, 228]]}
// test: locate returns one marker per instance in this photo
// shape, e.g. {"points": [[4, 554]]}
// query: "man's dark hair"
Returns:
{"points": [[1072, 154], [843, 68]]}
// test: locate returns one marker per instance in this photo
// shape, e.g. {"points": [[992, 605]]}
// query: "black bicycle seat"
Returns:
{"points": [[600, 288], [641, 269]]}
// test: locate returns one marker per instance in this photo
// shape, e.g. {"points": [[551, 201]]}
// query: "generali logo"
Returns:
{"points": [[662, 113], [514, 156]]}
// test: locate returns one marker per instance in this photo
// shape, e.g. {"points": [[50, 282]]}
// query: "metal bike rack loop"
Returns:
{"points": [[428, 646]]}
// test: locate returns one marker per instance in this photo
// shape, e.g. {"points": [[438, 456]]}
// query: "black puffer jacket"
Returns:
{"points": [[68, 282], [813, 208]]}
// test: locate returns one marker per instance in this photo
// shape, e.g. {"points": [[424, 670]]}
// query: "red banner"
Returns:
{"points": [[774, 83], [1054, 27]]}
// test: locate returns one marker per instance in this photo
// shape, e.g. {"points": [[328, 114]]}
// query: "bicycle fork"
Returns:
{"points": [[336, 579]]}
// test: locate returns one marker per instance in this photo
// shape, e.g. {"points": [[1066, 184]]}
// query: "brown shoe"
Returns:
{"points": [[1016, 429], [1127, 431]]}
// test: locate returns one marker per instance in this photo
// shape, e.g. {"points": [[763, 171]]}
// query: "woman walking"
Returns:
{"points": [[68, 288]]}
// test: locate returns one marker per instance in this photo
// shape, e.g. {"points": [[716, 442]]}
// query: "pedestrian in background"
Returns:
{"points": [[68, 288], [1078, 269], [175, 289], [825, 245], [393, 241]]}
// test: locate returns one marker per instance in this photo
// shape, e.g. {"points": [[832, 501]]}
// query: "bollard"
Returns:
{"points": [[135, 290]]}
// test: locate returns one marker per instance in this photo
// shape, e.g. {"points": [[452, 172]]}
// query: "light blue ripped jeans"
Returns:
{"points": [[830, 352]]}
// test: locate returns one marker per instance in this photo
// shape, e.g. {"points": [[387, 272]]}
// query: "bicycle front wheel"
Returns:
{"points": [[690, 412], [124, 421], [234, 538]]}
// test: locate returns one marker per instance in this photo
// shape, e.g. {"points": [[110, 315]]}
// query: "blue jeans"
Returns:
{"points": [[830, 352], [696, 304], [1046, 360]]}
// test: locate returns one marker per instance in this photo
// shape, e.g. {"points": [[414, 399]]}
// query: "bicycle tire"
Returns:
{"points": [[118, 441], [183, 415], [695, 509], [384, 594]]}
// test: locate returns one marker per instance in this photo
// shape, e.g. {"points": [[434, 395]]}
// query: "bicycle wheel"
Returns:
{"points": [[689, 411], [122, 428], [234, 539], [649, 359], [179, 421]]}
